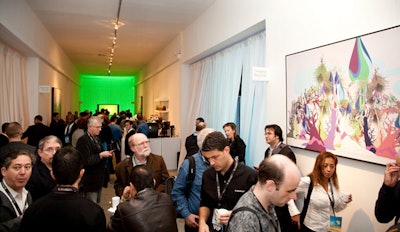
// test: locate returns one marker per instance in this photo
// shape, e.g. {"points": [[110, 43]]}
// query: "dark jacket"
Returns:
{"points": [[282, 149], [238, 148], [63, 212], [124, 168], [41, 182], [387, 205], [35, 133], [148, 211], [93, 179], [191, 145], [8, 217]]}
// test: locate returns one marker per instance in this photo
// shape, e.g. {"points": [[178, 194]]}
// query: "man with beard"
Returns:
{"points": [[140, 146]]}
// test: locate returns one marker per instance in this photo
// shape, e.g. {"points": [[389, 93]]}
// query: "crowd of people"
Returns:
{"points": [[58, 175]]}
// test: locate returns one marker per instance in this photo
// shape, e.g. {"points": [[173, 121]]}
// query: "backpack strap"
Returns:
{"points": [[243, 208], [306, 201], [192, 169], [191, 175]]}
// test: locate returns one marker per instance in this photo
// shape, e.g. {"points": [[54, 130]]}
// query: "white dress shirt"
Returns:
{"points": [[319, 208]]}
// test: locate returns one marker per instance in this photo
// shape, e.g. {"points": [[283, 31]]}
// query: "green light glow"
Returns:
{"points": [[107, 90]]}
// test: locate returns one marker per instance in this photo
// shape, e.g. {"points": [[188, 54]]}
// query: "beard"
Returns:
{"points": [[145, 152]]}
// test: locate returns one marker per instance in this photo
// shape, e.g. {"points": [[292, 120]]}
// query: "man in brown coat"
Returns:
{"points": [[140, 146]]}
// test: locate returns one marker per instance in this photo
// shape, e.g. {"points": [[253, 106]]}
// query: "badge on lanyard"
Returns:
{"points": [[336, 224]]}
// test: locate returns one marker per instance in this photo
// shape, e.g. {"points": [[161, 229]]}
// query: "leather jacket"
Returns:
{"points": [[148, 211]]}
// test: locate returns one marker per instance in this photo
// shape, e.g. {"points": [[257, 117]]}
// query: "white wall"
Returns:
{"points": [[161, 79], [293, 26], [47, 63]]}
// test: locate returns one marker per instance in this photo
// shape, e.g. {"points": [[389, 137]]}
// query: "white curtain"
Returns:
{"points": [[13, 87], [253, 110], [215, 83]]}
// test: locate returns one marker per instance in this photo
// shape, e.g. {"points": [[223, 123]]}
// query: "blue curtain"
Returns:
{"points": [[215, 83]]}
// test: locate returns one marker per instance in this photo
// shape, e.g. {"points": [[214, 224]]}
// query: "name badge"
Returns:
{"points": [[336, 224]]}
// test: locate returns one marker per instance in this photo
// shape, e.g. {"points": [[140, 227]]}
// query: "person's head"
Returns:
{"points": [[202, 135], [230, 130], [67, 166], [94, 125], [4, 127], [17, 169], [215, 149], [325, 168], [140, 145], [48, 146], [14, 130], [278, 178], [141, 178], [128, 124], [199, 120], [139, 117], [273, 134], [55, 116], [200, 126], [37, 119], [69, 118]]}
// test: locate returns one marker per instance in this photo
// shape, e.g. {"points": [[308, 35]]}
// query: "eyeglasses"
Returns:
{"points": [[51, 149], [142, 143]]}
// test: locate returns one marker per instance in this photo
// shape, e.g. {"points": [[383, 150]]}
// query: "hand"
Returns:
{"points": [[192, 220], [203, 227], [126, 194], [350, 198], [296, 220], [106, 154], [224, 218], [391, 174]]}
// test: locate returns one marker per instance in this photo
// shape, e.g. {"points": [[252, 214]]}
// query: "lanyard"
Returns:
{"points": [[227, 183], [13, 199], [332, 200]]}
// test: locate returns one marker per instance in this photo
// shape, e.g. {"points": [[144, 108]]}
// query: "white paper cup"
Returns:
{"points": [[345, 197], [115, 202]]}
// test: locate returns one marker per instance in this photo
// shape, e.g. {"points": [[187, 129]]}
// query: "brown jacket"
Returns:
{"points": [[124, 169]]}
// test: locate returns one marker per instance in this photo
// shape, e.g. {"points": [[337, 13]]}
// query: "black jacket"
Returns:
{"points": [[148, 211], [93, 179], [387, 205], [8, 217], [41, 182]]}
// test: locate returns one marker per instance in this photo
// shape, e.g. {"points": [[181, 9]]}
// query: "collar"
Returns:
{"points": [[14, 193], [227, 173]]}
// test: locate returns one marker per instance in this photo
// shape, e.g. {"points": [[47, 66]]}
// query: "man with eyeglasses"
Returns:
{"points": [[223, 184], [140, 146], [93, 156], [41, 182], [278, 178]]}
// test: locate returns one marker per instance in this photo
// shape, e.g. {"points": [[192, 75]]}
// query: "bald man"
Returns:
{"points": [[278, 178]]}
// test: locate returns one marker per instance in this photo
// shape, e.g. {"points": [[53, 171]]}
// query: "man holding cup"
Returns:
{"points": [[229, 177]]}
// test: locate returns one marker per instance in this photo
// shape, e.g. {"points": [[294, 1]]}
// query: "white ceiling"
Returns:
{"points": [[84, 29]]}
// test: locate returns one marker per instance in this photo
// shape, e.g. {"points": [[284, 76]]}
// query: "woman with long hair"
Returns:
{"points": [[325, 199]]}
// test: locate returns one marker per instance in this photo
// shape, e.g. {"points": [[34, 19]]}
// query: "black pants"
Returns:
{"points": [[305, 229], [191, 229]]}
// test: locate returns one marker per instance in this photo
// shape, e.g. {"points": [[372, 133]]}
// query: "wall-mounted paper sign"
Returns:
{"points": [[44, 89], [260, 74]]}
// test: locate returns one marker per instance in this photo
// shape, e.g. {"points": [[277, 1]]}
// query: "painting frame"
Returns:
{"points": [[343, 97], [56, 100]]}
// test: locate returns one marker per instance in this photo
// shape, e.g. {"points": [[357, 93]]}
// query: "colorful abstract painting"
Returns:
{"points": [[344, 97]]}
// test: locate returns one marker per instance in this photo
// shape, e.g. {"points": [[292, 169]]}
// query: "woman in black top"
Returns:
{"points": [[236, 144]]}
